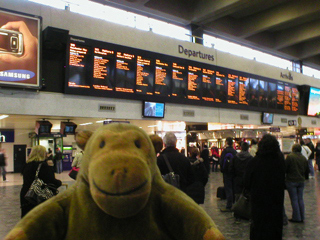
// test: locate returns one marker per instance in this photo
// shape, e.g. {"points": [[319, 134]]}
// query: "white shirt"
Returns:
{"points": [[305, 151]]}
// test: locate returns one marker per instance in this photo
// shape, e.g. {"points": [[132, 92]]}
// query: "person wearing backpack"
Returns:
{"points": [[225, 161]]}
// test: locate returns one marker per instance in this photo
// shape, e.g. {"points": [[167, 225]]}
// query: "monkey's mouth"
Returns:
{"points": [[132, 190]]}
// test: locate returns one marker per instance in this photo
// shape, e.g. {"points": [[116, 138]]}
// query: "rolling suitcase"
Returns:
{"points": [[221, 193]]}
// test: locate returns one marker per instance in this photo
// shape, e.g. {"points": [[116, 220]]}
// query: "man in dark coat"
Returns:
{"points": [[179, 163], [227, 175], [205, 156], [238, 168], [265, 181]]}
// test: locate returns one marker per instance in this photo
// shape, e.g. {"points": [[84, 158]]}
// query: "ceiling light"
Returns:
{"points": [[4, 116], [83, 124]]}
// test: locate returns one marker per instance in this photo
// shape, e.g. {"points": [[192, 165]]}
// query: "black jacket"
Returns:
{"points": [[180, 165], [29, 173], [238, 168], [311, 146], [265, 180]]}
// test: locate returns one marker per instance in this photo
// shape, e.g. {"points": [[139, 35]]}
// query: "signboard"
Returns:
{"points": [[19, 50]]}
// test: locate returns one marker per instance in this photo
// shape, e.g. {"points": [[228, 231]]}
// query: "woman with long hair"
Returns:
{"points": [[37, 156], [265, 180]]}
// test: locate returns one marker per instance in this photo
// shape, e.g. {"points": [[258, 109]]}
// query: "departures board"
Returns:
{"points": [[96, 68]]}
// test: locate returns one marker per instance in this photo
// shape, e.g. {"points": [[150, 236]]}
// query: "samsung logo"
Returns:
{"points": [[16, 75]]}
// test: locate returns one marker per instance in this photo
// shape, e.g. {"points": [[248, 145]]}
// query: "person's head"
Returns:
{"points": [[268, 145], [38, 154], [170, 140], [296, 147], [194, 152], [205, 146], [229, 141], [307, 140], [254, 142], [157, 142], [244, 147]]}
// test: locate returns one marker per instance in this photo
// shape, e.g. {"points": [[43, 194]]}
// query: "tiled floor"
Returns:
{"points": [[310, 229]]}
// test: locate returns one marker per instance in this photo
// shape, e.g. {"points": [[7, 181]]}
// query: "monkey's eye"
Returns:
{"points": [[102, 143], [137, 143]]}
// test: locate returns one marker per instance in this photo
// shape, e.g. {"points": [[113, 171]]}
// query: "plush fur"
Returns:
{"points": [[119, 194]]}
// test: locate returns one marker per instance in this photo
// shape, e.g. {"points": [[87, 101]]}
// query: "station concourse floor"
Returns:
{"points": [[310, 229]]}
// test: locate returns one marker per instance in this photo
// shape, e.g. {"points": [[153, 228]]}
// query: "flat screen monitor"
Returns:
{"points": [[20, 49], [314, 102], [153, 109], [267, 118]]}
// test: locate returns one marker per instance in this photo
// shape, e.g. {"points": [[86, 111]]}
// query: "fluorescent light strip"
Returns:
{"points": [[4, 116], [83, 124]]}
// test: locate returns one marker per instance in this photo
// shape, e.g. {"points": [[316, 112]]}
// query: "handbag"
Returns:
{"points": [[171, 178], [74, 172], [242, 207], [39, 191]]}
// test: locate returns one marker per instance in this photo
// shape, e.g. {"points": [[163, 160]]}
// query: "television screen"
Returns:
{"points": [[153, 109], [67, 128], [314, 102], [19, 49], [267, 118]]}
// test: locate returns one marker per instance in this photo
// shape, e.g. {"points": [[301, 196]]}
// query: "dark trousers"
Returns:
{"points": [[227, 181]]}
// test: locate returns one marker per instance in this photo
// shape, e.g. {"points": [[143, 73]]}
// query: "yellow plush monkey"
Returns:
{"points": [[119, 194]]}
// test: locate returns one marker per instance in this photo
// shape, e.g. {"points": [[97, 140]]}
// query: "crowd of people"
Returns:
{"points": [[259, 170]]}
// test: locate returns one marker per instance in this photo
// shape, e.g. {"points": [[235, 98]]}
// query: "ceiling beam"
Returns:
{"points": [[276, 16], [207, 11], [297, 35]]}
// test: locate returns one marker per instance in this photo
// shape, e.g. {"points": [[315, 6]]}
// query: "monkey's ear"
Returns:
{"points": [[82, 138]]}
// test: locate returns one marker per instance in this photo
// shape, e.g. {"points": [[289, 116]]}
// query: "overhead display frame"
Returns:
{"points": [[19, 49], [96, 68]]}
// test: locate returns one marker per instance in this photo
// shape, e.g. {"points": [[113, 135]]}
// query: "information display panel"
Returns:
{"points": [[208, 84], [144, 77], [254, 92], [179, 80], [280, 96], [263, 94], [233, 97], [295, 99], [103, 69], [162, 81], [221, 87], [272, 95], [108, 70], [125, 72], [243, 90], [80, 65], [194, 83], [287, 98]]}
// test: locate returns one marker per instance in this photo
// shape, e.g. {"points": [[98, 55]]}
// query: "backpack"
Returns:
{"points": [[226, 162]]}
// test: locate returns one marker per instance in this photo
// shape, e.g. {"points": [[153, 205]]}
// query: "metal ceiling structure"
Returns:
{"points": [[284, 28]]}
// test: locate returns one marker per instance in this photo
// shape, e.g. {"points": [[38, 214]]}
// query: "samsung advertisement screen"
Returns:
{"points": [[19, 49], [153, 109], [314, 102]]}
